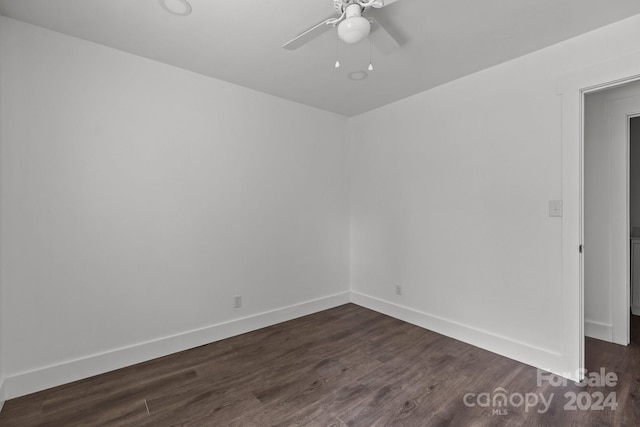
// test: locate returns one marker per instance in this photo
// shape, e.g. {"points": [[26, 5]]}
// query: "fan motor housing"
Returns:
{"points": [[341, 5]]}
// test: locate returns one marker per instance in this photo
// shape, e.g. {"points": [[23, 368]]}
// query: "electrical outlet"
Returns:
{"points": [[237, 301], [398, 289]]}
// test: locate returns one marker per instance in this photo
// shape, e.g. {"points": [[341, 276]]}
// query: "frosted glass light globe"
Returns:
{"points": [[354, 29]]}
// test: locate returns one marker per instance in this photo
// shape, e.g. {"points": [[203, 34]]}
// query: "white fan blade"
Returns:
{"points": [[382, 39], [383, 3], [310, 34]]}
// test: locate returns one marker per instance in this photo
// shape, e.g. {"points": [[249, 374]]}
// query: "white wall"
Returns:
{"points": [[597, 182], [449, 198], [140, 198]]}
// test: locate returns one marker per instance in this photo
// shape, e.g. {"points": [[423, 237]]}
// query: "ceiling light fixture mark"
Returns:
{"points": [[176, 7], [357, 75]]}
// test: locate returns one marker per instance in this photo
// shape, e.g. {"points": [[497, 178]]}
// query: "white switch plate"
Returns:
{"points": [[555, 208]]}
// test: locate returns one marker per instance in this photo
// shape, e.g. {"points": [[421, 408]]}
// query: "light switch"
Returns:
{"points": [[555, 208]]}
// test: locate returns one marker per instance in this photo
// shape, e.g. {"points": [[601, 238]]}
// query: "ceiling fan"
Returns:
{"points": [[355, 22]]}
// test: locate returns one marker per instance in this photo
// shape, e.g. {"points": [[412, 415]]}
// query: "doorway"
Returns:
{"points": [[610, 217], [634, 223]]}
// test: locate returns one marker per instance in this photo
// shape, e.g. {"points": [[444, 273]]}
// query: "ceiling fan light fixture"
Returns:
{"points": [[350, 26], [353, 30]]}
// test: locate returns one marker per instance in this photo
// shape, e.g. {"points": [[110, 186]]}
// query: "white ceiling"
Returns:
{"points": [[240, 41]]}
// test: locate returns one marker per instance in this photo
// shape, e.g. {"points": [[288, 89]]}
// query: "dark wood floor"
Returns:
{"points": [[348, 366], [635, 329]]}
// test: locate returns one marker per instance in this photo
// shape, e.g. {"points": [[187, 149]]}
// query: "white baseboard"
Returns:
{"points": [[51, 376], [512, 349], [2, 398], [20, 384], [601, 331]]}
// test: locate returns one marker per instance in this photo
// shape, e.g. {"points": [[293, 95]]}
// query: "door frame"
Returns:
{"points": [[572, 89]]}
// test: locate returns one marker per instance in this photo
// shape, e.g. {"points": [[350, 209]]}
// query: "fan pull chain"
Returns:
{"points": [[370, 61], [337, 51]]}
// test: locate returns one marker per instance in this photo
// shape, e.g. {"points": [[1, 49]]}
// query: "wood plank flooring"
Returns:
{"points": [[347, 366]]}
